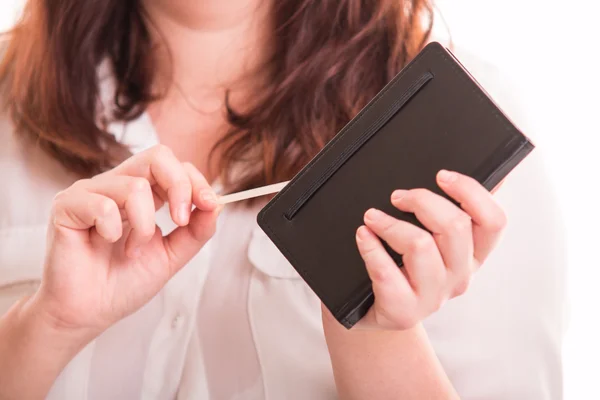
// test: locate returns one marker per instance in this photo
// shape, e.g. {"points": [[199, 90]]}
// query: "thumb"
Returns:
{"points": [[184, 242]]}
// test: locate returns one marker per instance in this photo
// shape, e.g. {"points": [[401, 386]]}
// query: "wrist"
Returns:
{"points": [[333, 327], [34, 349], [382, 364], [37, 318]]}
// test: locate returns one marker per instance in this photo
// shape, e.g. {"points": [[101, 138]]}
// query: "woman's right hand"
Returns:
{"points": [[106, 257]]}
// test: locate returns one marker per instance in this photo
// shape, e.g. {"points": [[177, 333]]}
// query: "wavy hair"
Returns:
{"points": [[330, 58]]}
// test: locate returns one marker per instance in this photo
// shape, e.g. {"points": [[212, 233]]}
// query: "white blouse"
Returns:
{"points": [[239, 323]]}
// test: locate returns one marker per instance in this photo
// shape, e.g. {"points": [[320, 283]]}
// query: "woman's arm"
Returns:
{"points": [[373, 364], [93, 255], [388, 355], [34, 349]]}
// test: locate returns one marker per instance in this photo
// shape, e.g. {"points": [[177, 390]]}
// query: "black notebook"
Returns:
{"points": [[433, 115]]}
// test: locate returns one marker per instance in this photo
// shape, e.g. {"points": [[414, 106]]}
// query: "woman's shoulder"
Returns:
{"points": [[531, 174]]}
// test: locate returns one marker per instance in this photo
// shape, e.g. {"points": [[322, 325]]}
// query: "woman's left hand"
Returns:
{"points": [[437, 266]]}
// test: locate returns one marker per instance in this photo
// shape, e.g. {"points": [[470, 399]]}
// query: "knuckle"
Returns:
{"points": [[55, 213], [378, 271], [59, 199], [147, 231], [162, 152], [59, 203], [138, 185], [369, 250], [462, 285], [366, 247], [437, 302], [498, 222], [421, 243], [406, 321], [388, 226], [81, 183], [107, 207], [180, 187], [460, 223], [144, 231]]}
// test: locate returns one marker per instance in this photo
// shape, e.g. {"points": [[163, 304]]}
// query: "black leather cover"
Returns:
{"points": [[432, 115]]}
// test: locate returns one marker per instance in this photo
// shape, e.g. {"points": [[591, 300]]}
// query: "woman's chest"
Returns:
{"points": [[259, 330]]}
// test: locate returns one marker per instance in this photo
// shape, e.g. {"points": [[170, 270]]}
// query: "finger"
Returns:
{"points": [[159, 165], [80, 211], [203, 195], [451, 228], [135, 197], [184, 242], [422, 259], [160, 197], [394, 298], [488, 217]]}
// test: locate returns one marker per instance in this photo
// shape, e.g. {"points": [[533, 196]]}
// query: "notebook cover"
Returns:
{"points": [[433, 115]]}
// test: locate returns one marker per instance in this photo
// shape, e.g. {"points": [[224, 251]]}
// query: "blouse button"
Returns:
{"points": [[176, 321]]}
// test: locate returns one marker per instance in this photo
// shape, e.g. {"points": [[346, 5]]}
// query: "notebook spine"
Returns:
{"points": [[513, 153]]}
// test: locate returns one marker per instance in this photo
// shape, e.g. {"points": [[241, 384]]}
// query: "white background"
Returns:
{"points": [[550, 50]]}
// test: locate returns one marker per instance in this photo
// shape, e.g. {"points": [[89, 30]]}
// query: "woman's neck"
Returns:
{"points": [[202, 49], [208, 43]]}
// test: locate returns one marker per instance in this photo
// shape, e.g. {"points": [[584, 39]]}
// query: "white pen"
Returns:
{"points": [[252, 193]]}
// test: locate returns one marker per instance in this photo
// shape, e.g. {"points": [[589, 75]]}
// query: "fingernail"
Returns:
{"points": [[183, 213], [362, 233], [446, 176], [397, 195], [374, 215], [209, 197]]}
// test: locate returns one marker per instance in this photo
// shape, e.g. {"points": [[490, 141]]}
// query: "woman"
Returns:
{"points": [[240, 94]]}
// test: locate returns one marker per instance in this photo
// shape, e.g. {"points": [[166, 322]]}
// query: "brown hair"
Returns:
{"points": [[330, 58]]}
